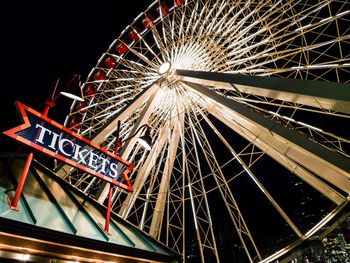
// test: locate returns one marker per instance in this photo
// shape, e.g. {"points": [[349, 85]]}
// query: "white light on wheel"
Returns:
{"points": [[164, 68]]}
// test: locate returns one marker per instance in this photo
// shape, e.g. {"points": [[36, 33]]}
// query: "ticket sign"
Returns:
{"points": [[57, 141]]}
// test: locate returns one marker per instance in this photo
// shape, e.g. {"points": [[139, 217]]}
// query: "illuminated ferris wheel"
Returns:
{"points": [[242, 98]]}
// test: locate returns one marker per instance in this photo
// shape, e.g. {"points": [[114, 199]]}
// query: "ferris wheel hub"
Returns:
{"points": [[164, 68]]}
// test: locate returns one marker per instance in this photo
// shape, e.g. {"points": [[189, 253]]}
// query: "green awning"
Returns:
{"points": [[52, 223]]}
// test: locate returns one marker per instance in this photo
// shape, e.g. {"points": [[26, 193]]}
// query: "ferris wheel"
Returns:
{"points": [[243, 99]]}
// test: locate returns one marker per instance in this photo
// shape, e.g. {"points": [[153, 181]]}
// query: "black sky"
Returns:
{"points": [[42, 41]]}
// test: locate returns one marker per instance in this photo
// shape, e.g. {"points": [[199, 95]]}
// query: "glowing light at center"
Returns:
{"points": [[164, 68]]}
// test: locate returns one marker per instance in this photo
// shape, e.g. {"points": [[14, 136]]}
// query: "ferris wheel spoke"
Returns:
{"points": [[161, 46], [150, 188], [292, 34], [227, 26], [143, 173], [133, 66], [135, 73], [203, 35], [106, 113], [255, 180], [193, 14], [142, 118], [327, 139], [223, 24], [124, 112], [179, 183], [291, 165], [149, 48], [292, 52], [269, 25], [239, 30], [225, 191], [180, 35], [141, 187], [164, 184], [200, 205], [211, 17], [125, 152], [173, 39], [340, 175], [117, 100], [141, 56], [194, 34], [166, 30], [220, 80]]}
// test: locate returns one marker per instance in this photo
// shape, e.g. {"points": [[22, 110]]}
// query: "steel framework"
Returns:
{"points": [[257, 91]]}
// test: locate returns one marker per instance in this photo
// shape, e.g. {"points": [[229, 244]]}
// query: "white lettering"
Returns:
{"points": [[61, 144], [92, 160], [78, 155], [104, 162], [53, 141], [43, 130], [114, 172]]}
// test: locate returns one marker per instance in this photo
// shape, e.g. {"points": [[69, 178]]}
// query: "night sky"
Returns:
{"points": [[57, 39]]}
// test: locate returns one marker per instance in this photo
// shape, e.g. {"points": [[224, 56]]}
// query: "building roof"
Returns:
{"points": [[52, 223]]}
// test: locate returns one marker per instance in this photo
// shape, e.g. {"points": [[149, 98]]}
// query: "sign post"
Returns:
{"points": [[106, 229], [14, 202], [55, 140]]}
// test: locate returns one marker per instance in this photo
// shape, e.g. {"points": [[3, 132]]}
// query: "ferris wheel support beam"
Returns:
{"points": [[292, 166], [127, 147], [125, 113], [226, 194], [325, 163], [143, 174], [319, 94], [110, 127], [164, 185], [200, 204]]}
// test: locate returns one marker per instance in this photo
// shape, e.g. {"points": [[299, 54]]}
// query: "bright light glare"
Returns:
{"points": [[25, 257], [72, 96], [144, 144], [164, 68]]}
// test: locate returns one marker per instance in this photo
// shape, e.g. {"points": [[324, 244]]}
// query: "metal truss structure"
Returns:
{"points": [[257, 91]]}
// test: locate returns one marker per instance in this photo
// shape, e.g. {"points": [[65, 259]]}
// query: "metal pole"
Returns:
{"points": [[14, 202], [50, 102], [46, 110], [109, 209], [117, 143]]}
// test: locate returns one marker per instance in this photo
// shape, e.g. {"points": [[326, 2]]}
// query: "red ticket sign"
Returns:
{"points": [[55, 140]]}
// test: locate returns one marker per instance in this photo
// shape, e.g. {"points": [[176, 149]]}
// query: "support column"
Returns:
{"points": [[331, 166], [164, 185], [320, 94], [125, 150], [143, 174], [100, 137]]}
